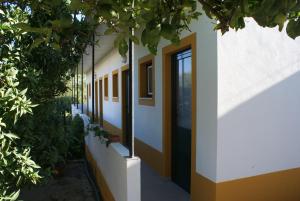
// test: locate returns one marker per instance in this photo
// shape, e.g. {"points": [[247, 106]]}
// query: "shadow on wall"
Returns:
{"points": [[262, 134]]}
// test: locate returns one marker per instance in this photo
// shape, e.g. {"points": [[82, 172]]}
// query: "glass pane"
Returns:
{"points": [[149, 79], [184, 89]]}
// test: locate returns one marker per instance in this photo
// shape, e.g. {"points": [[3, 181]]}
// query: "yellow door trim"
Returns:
{"points": [[189, 41]]}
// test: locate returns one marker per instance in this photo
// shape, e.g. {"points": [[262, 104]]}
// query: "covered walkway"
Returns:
{"points": [[156, 188]]}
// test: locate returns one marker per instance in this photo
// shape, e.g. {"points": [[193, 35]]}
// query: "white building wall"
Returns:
{"points": [[111, 110], [121, 173], [258, 102], [148, 119]]}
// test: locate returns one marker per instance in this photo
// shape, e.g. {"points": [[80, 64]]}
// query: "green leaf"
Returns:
{"points": [[15, 195], [109, 31], [134, 39], [280, 20], [293, 28], [123, 47], [37, 43]]}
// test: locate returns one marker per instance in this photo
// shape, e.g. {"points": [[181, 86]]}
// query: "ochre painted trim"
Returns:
{"points": [[106, 194], [96, 101], [112, 129], [125, 67], [187, 42], [100, 82], [106, 87], [203, 189], [147, 101], [142, 61], [115, 71], [115, 98], [276, 186], [149, 155]]}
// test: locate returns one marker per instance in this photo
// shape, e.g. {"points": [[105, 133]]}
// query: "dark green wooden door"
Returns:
{"points": [[181, 118]]}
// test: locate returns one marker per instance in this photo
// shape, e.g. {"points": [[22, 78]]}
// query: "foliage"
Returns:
{"points": [[52, 135], [267, 13], [104, 136], [77, 136], [37, 39], [16, 166], [154, 19]]}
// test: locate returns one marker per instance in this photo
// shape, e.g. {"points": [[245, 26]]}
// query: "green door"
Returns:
{"points": [[181, 118]]}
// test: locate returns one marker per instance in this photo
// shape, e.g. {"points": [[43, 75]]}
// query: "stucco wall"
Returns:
{"points": [[121, 173], [111, 110], [258, 102], [148, 119]]}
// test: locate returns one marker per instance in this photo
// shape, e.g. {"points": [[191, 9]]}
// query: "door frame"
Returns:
{"points": [[100, 82], [167, 52], [96, 101], [123, 70]]}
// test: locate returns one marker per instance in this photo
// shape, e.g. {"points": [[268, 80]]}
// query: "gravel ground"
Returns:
{"points": [[72, 186]]}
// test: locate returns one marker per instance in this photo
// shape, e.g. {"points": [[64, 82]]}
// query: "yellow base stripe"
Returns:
{"points": [[149, 155], [277, 186]]}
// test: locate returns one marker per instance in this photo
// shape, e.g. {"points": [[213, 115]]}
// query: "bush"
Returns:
{"points": [[77, 136], [46, 131], [52, 134]]}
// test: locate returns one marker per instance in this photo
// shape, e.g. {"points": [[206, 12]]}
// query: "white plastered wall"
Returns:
{"points": [[121, 173], [111, 110], [258, 102], [148, 119]]}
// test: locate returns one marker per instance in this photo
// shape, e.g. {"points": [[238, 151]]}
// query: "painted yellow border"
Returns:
{"points": [[115, 98], [125, 67], [106, 97], [187, 42], [144, 100]]}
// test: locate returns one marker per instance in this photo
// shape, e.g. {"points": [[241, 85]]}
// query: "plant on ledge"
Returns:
{"points": [[105, 136]]}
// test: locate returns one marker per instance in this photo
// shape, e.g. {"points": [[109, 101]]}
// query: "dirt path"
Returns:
{"points": [[73, 186]]}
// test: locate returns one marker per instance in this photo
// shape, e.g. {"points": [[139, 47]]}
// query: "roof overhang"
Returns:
{"points": [[105, 43]]}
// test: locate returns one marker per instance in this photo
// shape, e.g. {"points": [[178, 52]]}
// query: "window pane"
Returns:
{"points": [[149, 80], [184, 90]]}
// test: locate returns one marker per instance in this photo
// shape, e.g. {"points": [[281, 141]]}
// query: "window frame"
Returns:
{"points": [[144, 97], [115, 98], [89, 89], [106, 87]]}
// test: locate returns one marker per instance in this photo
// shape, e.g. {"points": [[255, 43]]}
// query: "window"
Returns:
{"points": [[106, 87], [146, 81], [115, 85]]}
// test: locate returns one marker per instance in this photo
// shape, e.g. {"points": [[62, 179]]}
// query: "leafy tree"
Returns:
{"points": [[16, 166], [157, 19]]}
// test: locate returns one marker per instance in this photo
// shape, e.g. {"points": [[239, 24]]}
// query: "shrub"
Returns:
{"points": [[47, 131], [77, 136]]}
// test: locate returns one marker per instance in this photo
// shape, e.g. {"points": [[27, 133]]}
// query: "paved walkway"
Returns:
{"points": [[157, 188]]}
